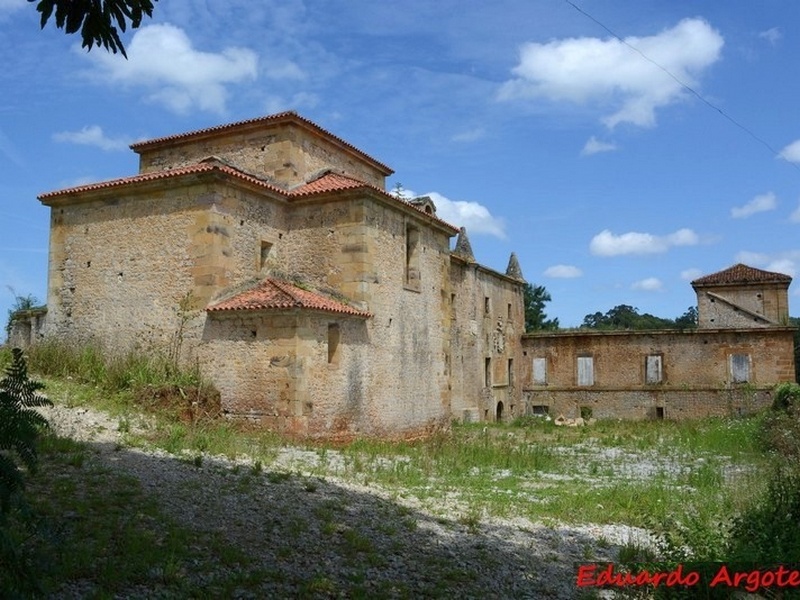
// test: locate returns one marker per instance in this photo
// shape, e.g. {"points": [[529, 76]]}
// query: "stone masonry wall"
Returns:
{"points": [[487, 318], [696, 370], [121, 266], [767, 300], [286, 155]]}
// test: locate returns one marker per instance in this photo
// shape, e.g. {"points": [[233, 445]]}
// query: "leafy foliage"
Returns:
{"points": [[20, 303], [96, 19], [535, 298], [625, 316], [19, 426]]}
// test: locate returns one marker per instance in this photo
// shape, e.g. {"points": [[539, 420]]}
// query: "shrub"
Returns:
{"points": [[19, 426], [787, 395]]}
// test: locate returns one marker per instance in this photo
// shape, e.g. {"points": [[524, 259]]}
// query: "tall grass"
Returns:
{"points": [[90, 363]]}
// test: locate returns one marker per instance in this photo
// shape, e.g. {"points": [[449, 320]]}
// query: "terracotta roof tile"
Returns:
{"points": [[159, 175], [266, 120], [334, 182], [740, 273], [275, 294]]}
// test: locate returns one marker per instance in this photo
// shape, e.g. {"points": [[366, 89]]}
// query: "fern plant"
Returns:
{"points": [[20, 425]]}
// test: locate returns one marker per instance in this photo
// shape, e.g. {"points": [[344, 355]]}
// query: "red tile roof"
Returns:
{"points": [[288, 116], [159, 175], [275, 294], [334, 182], [740, 273]]}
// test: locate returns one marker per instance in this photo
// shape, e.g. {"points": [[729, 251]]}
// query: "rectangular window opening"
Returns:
{"points": [[412, 257], [540, 410], [510, 372], [333, 344], [660, 413], [586, 370], [740, 368], [266, 247], [487, 306], [539, 371], [654, 369], [487, 372]]}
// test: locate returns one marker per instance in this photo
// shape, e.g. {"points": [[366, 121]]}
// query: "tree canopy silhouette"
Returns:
{"points": [[97, 20]]}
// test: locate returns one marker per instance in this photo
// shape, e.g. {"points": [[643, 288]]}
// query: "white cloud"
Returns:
{"points": [[161, 58], [795, 216], [772, 35], [9, 6], [92, 135], [761, 203], [470, 136], [610, 72], [791, 153], [595, 146], [651, 284], [472, 215], [607, 243], [782, 262], [691, 274], [563, 272]]}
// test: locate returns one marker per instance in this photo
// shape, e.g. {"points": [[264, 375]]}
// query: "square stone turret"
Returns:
{"points": [[742, 297]]}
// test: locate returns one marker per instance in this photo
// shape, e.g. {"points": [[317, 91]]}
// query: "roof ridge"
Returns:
{"points": [[291, 115]]}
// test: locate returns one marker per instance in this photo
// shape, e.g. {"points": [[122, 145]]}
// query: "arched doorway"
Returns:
{"points": [[499, 413]]}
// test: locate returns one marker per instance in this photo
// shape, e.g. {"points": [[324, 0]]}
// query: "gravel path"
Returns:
{"points": [[314, 537]]}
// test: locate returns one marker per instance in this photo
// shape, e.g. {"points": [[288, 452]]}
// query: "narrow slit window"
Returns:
{"points": [[333, 344], [266, 248], [412, 258], [487, 372]]}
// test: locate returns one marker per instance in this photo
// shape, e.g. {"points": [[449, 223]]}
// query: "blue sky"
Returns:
{"points": [[617, 168]]}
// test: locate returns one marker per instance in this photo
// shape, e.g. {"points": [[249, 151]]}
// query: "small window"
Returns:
{"points": [[487, 305], [266, 248], [740, 368], [509, 311], [539, 371], [510, 372], [586, 412], [653, 369], [585, 370], [487, 372], [540, 410], [660, 413], [412, 258], [333, 344]]}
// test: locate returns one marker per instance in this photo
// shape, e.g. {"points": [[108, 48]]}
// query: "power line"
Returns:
{"points": [[683, 84]]}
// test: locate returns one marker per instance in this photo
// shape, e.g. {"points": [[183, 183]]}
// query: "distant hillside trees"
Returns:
{"points": [[535, 298], [624, 316]]}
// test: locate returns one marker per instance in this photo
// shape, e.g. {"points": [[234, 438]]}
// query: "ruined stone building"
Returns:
{"points": [[743, 346], [270, 252]]}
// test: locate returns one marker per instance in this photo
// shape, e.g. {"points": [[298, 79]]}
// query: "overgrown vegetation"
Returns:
{"points": [[713, 490], [20, 426], [146, 381], [760, 534]]}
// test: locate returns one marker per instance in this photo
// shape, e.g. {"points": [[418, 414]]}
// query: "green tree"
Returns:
{"points": [[687, 320], [20, 303], [535, 298], [20, 425], [624, 316], [96, 19]]}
